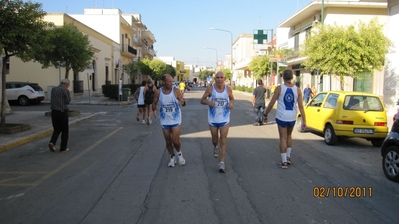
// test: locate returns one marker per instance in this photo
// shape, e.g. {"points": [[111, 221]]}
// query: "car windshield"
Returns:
{"points": [[364, 103]]}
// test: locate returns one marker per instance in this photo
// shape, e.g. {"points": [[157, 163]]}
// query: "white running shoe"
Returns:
{"points": [[182, 161], [216, 152], [172, 162], [222, 167], [143, 122]]}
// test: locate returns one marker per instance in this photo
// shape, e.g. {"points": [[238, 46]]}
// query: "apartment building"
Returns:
{"points": [[292, 33], [127, 30], [99, 73]]}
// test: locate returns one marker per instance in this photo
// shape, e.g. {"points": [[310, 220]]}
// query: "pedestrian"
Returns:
{"points": [[149, 93], [60, 98], [170, 116], [314, 91], [289, 100], [258, 102], [307, 92], [272, 89], [141, 106], [182, 87], [220, 100]]}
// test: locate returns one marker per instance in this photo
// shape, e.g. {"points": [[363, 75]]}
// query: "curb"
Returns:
{"points": [[42, 134]]}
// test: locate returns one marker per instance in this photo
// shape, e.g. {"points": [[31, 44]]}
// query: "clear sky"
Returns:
{"points": [[182, 27]]}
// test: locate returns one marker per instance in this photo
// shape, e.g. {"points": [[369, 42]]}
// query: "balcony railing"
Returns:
{"points": [[149, 51], [128, 49]]}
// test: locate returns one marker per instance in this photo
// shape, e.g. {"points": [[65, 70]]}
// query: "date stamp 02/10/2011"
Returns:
{"points": [[342, 192]]}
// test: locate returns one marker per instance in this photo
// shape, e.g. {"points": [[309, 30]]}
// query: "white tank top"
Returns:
{"points": [[220, 113], [140, 100], [169, 111], [287, 103]]}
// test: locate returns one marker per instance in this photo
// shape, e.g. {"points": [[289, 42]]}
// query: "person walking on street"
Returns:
{"points": [[307, 92], [220, 100], [258, 102], [170, 116], [60, 98], [289, 99], [182, 87], [149, 93], [139, 95]]}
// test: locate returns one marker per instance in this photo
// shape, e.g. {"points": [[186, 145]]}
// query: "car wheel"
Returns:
{"points": [[23, 100], [390, 163], [377, 142], [329, 135], [299, 125]]}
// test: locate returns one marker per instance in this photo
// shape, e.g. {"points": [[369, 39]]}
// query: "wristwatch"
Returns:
{"points": [[265, 115]]}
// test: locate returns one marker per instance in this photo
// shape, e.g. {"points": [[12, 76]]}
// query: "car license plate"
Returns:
{"points": [[363, 131]]}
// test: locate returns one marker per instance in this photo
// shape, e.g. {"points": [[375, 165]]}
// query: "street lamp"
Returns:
{"points": [[231, 47], [216, 53]]}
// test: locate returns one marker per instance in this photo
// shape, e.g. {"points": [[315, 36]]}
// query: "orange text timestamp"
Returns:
{"points": [[342, 192]]}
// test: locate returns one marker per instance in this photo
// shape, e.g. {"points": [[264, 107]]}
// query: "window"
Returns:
{"points": [[318, 100], [364, 103], [331, 101]]}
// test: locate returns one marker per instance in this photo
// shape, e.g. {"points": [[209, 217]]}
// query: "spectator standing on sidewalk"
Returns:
{"points": [[307, 92], [170, 116], [149, 92], [139, 95], [220, 100], [258, 102], [288, 96], [60, 98]]}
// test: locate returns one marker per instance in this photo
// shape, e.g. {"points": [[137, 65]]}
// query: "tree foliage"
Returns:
{"points": [[204, 74], [66, 46], [21, 34], [144, 67], [346, 51], [227, 73], [132, 69], [260, 66], [170, 70], [158, 68]]}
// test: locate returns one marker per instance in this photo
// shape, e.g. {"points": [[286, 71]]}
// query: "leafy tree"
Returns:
{"points": [[132, 69], [22, 32], [346, 51], [67, 46], [260, 66], [144, 67], [170, 70], [204, 74], [158, 68], [227, 73]]}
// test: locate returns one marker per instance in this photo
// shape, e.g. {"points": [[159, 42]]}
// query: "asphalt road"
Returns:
{"points": [[116, 172]]}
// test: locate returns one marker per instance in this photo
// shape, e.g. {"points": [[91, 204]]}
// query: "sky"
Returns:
{"points": [[182, 27]]}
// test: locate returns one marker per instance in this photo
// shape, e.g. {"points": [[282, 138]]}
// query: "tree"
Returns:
{"points": [[66, 46], [144, 67], [170, 70], [204, 74], [132, 69], [227, 73], [260, 66], [346, 51], [22, 32], [158, 68]]}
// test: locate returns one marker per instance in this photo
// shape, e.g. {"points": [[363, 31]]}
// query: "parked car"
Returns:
{"points": [[390, 153], [24, 92], [346, 114]]}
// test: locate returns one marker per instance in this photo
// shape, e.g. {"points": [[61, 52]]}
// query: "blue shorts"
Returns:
{"points": [[218, 125], [285, 123], [168, 127]]}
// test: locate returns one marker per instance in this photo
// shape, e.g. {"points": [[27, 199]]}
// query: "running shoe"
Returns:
{"points": [[216, 152], [182, 161], [288, 160], [148, 121], [143, 122], [222, 167], [172, 162], [284, 165]]}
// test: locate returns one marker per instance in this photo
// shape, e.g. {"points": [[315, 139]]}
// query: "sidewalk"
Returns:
{"points": [[41, 125]]}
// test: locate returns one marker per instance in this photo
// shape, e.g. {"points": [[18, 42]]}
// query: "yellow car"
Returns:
{"points": [[346, 114]]}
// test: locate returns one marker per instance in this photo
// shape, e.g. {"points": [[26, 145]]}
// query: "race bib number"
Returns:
{"points": [[169, 109], [221, 102]]}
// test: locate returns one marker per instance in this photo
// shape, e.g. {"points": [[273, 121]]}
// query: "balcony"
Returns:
{"points": [[148, 36], [128, 51], [148, 51], [137, 42]]}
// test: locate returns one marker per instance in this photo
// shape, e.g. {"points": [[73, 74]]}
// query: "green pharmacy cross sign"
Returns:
{"points": [[260, 36]]}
